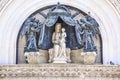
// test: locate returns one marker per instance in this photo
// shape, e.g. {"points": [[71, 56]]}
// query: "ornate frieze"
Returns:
{"points": [[60, 70]]}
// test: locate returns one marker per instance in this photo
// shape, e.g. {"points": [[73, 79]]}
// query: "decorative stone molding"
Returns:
{"points": [[3, 3], [116, 4], [59, 70]]}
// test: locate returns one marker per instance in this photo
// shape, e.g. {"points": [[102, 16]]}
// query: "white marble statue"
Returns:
{"points": [[59, 53], [56, 39], [62, 44]]}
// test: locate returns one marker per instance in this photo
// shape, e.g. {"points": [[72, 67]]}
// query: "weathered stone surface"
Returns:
{"points": [[44, 56], [78, 56], [59, 72], [37, 57], [116, 5], [89, 57], [32, 57], [59, 59], [3, 3]]}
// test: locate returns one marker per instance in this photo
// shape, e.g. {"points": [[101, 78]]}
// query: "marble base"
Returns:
{"points": [[53, 59], [59, 60]]}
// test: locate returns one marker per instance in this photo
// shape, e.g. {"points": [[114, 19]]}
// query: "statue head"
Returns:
{"points": [[58, 27], [63, 29], [32, 19]]}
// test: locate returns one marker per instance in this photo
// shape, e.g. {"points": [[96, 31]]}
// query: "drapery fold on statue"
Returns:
{"points": [[78, 35], [51, 20], [41, 36]]}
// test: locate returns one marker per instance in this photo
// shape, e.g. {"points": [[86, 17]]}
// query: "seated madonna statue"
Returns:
{"points": [[59, 53]]}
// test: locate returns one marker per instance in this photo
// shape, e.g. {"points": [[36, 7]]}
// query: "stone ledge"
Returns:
{"points": [[59, 70]]}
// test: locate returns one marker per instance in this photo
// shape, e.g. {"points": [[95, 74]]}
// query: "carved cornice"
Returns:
{"points": [[60, 70]]}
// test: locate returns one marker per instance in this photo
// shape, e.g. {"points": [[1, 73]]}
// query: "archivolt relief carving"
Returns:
{"points": [[3, 3], [116, 4]]}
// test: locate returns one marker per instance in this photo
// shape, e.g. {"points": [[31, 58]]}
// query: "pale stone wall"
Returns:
{"points": [[14, 13]]}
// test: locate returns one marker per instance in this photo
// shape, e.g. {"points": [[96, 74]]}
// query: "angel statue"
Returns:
{"points": [[94, 24], [31, 28], [88, 32]]}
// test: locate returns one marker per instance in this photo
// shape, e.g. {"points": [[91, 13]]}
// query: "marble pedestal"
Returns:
{"points": [[59, 60], [37, 57], [32, 57], [53, 59], [89, 57], [78, 56]]}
